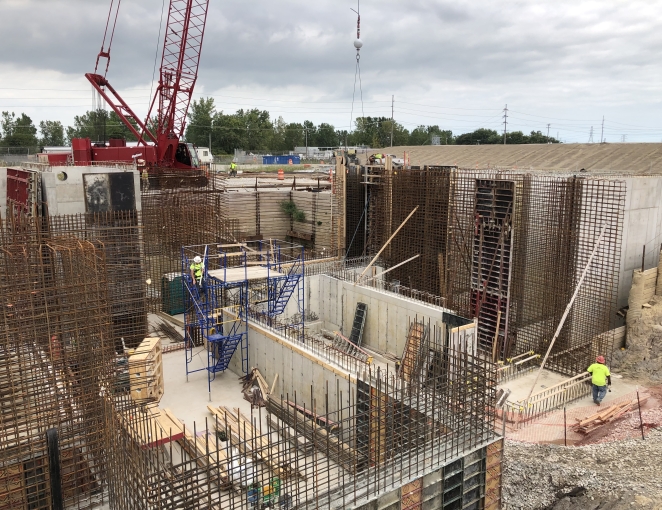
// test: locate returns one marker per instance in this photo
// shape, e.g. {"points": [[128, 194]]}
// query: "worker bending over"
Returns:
{"points": [[375, 157], [601, 378]]}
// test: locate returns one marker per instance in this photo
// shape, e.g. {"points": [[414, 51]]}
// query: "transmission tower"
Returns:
{"points": [[505, 123], [590, 136]]}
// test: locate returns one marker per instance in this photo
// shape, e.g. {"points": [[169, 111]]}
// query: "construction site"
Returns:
{"points": [[361, 335]]}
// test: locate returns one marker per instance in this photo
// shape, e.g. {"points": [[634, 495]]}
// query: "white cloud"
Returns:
{"points": [[455, 64]]}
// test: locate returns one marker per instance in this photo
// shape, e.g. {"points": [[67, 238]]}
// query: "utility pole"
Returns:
{"points": [[548, 125], [306, 131], [602, 131], [590, 136], [624, 138], [505, 124], [392, 108], [212, 127]]}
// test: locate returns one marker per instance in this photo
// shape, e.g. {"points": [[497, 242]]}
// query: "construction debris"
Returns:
{"points": [[606, 415], [255, 388]]}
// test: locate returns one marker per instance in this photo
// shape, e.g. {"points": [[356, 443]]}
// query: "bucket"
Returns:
{"points": [[281, 174]]}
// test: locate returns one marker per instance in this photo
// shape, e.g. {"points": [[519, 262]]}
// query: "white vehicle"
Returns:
{"points": [[205, 155]]}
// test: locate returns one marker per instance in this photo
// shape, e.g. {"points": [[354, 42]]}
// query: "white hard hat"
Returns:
{"points": [[197, 259]]}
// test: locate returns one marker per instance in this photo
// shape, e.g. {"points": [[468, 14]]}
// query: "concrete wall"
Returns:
{"points": [[388, 318], [297, 370], [642, 224], [68, 196]]}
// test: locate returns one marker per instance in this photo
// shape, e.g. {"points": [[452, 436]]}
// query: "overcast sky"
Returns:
{"points": [[451, 63]]}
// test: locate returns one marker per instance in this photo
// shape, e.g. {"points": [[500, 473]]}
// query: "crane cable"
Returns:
{"points": [[357, 73], [105, 34], [156, 56]]}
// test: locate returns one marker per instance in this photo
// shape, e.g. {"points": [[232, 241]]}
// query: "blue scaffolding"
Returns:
{"points": [[239, 280]]}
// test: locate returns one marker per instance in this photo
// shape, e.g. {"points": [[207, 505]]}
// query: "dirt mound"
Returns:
{"points": [[622, 474], [642, 357]]}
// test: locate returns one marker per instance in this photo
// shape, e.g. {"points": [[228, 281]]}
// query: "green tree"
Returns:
{"points": [[538, 137], [480, 136], [258, 129], [278, 136], [516, 138], [376, 132], [199, 125], [310, 134], [294, 136], [18, 131], [326, 136], [52, 133], [99, 126], [419, 136]]}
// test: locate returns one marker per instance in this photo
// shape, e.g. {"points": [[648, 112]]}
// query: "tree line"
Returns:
{"points": [[251, 130]]}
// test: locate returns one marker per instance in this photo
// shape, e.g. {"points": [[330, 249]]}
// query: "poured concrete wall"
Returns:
{"points": [[388, 318], [68, 196], [642, 225], [297, 370]]}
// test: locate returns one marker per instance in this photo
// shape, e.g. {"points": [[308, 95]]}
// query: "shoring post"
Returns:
{"points": [[643, 258], [641, 421]]}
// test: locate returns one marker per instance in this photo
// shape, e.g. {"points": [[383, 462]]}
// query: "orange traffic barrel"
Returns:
{"points": [[281, 174]]}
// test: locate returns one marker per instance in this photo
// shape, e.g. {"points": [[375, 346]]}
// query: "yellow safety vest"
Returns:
{"points": [[232, 166], [378, 156], [197, 270]]}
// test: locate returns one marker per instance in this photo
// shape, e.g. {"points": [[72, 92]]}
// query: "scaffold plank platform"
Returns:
{"points": [[239, 274]]}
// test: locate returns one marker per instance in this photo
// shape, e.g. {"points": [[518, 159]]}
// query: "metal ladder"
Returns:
{"points": [[356, 335]]}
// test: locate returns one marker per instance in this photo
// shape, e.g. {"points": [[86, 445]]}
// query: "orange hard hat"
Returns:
{"points": [[600, 359]]}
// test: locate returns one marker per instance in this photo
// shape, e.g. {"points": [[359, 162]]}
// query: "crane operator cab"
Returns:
{"points": [[187, 155]]}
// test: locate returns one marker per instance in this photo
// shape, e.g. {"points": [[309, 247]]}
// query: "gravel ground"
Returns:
{"points": [[617, 475]]}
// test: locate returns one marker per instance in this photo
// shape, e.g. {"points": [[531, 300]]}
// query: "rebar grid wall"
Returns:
{"points": [[55, 353], [390, 433], [187, 213], [509, 249], [356, 212], [120, 235]]}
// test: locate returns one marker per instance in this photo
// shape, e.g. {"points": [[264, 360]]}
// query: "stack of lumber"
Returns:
{"points": [[606, 415], [252, 443], [209, 453]]}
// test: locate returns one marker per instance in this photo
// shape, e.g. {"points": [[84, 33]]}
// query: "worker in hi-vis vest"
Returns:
{"points": [[374, 157], [233, 169], [601, 378], [197, 273]]}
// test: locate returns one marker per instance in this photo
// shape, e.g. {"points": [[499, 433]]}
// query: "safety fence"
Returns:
{"points": [[624, 417]]}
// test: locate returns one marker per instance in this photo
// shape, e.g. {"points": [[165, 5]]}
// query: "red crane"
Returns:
{"points": [[158, 142]]}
